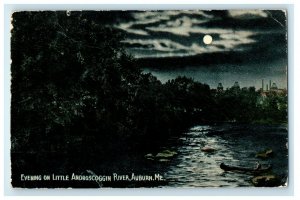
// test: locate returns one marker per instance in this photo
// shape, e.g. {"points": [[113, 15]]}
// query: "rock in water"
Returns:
{"points": [[265, 154], [163, 156], [266, 181], [166, 154], [208, 149], [163, 160]]}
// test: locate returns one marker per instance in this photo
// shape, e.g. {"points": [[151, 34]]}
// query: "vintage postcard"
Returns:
{"points": [[162, 98]]}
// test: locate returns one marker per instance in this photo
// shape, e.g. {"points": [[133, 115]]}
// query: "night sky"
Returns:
{"points": [[247, 45]]}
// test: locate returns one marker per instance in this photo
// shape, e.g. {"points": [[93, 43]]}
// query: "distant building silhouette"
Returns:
{"points": [[274, 86], [236, 87], [220, 87], [271, 89]]}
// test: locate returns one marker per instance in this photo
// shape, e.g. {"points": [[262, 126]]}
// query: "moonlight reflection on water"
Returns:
{"points": [[195, 168]]}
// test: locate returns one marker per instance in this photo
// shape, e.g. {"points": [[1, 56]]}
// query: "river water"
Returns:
{"points": [[190, 167], [185, 165], [234, 145]]}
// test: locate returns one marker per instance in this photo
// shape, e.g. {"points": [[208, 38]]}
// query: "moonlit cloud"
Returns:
{"points": [[166, 48], [248, 13], [180, 33], [233, 40], [127, 28]]}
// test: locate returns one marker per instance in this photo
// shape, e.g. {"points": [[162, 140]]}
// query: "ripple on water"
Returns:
{"points": [[195, 168]]}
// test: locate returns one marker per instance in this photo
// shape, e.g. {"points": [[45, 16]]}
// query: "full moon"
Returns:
{"points": [[207, 39]]}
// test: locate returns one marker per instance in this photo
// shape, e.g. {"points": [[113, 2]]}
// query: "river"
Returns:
{"points": [[234, 145], [180, 161]]}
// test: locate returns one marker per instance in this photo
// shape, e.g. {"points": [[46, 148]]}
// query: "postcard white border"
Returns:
{"points": [[9, 8]]}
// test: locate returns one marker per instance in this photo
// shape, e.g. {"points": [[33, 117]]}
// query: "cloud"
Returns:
{"points": [[227, 40], [126, 27], [179, 33], [166, 48], [247, 14]]}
